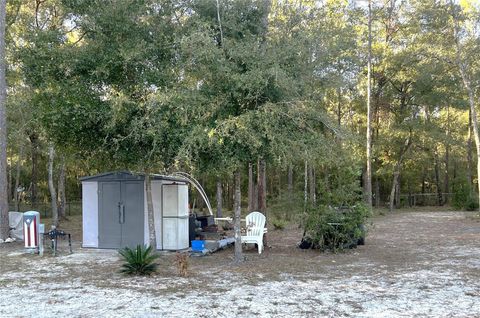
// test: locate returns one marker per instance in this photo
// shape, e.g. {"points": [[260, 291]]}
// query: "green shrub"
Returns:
{"points": [[329, 228], [279, 224], [464, 197], [461, 195], [471, 204], [138, 261]]}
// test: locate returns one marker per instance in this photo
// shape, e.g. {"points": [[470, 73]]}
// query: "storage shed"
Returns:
{"points": [[114, 211]]}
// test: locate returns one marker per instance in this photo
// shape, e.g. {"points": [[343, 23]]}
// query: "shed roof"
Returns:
{"points": [[127, 175]]}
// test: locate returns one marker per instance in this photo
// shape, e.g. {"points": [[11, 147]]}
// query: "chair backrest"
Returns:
{"points": [[255, 222]]}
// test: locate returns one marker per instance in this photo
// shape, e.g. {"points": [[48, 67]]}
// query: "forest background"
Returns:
{"points": [[266, 98]]}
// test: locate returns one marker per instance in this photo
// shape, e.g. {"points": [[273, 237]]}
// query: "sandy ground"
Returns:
{"points": [[415, 264]]}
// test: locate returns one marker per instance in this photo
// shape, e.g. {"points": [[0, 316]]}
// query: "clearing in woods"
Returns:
{"points": [[422, 264]]}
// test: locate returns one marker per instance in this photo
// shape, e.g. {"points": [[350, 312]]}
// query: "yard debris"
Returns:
{"points": [[181, 261], [8, 240], [211, 246]]}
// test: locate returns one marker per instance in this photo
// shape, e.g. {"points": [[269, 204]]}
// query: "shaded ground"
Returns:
{"points": [[422, 264]]}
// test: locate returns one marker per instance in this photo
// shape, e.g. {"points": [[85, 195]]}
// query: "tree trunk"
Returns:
{"points": [[251, 187], [230, 193], [397, 193], [226, 193], [4, 225], [268, 5], [51, 186], [468, 87], [377, 193], [339, 107], [446, 182], [290, 182], [262, 192], [10, 195], [237, 208], [312, 189], [152, 237], [61, 190], [454, 175], [219, 24], [255, 196], [409, 199], [396, 172], [368, 185], [279, 184], [219, 198], [394, 187], [424, 181], [271, 188], [469, 152], [34, 175], [305, 187], [16, 194], [262, 186], [437, 177]]}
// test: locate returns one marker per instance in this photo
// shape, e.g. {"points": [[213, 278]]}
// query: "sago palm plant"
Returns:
{"points": [[138, 261]]}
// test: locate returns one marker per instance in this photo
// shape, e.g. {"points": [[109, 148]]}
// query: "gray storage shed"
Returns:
{"points": [[114, 210]]}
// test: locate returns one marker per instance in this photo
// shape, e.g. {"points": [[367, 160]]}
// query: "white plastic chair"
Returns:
{"points": [[255, 222]]}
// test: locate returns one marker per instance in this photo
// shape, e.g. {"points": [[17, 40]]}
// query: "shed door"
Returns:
{"points": [[133, 220], [120, 214], [109, 226]]}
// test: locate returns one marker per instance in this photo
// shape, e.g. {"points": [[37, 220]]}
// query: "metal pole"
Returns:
{"points": [[369, 129]]}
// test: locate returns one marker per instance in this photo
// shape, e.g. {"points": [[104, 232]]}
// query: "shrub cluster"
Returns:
{"points": [[464, 198], [335, 228]]}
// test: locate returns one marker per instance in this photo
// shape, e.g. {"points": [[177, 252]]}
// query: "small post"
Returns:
{"points": [[54, 240], [40, 239]]}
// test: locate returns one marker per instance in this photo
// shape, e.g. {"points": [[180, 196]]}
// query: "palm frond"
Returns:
{"points": [[138, 261]]}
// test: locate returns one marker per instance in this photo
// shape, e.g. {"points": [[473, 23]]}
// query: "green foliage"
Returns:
{"points": [[287, 207], [138, 261], [164, 84], [471, 204], [339, 179], [331, 228], [279, 224], [463, 197]]}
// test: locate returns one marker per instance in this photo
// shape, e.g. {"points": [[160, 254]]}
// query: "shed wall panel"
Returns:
{"points": [[182, 200], [133, 199], [146, 237], [170, 195], [157, 213], [175, 216], [175, 236], [90, 214]]}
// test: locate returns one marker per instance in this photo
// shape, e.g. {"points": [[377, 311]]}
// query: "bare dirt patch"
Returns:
{"points": [[423, 264]]}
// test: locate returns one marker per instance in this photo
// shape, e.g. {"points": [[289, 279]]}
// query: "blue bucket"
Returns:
{"points": [[198, 245]]}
